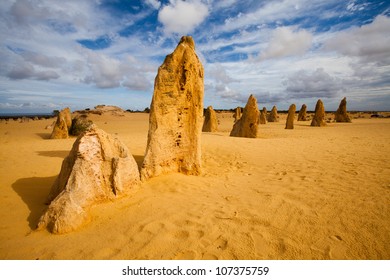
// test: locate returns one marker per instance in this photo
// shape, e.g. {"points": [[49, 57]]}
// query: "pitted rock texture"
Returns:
{"points": [[176, 115], [98, 168]]}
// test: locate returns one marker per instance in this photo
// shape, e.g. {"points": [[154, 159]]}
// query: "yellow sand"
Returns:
{"points": [[307, 193]]}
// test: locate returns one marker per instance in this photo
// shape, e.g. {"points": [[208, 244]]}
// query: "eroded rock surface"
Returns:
{"points": [[176, 115], [319, 115], [302, 115], [98, 168], [263, 116], [273, 115], [237, 114], [210, 123], [290, 117], [248, 124], [60, 129], [341, 114]]}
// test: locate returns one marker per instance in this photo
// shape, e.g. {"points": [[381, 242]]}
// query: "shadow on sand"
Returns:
{"points": [[34, 192], [60, 154], [139, 159], [44, 135]]}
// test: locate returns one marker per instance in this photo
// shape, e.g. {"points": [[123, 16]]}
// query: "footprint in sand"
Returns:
{"points": [[182, 234], [221, 243], [186, 255]]}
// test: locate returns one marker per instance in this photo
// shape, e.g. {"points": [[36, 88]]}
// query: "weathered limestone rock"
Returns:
{"points": [[341, 114], [67, 116], [176, 115], [98, 168], [237, 114], [273, 116], [60, 129], [263, 116], [302, 115], [248, 124], [210, 123], [291, 117], [319, 115], [62, 125]]}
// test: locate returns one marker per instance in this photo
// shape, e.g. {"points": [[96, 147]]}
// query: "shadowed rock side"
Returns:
{"points": [[291, 117], [273, 115], [302, 115], [319, 115], [176, 115], [237, 114], [341, 114], [68, 117], [98, 168], [248, 124], [210, 123], [62, 125], [79, 125], [263, 116]]}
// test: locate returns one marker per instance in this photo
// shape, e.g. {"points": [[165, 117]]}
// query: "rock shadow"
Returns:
{"points": [[139, 159], [43, 135], [34, 192], [60, 154]]}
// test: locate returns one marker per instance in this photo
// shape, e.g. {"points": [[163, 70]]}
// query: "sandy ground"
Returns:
{"points": [[307, 193]]}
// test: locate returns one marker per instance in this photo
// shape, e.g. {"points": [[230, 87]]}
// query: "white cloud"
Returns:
{"points": [[107, 72], [44, 60], [153, 3], [286, 41], [219, 74], [182, 17], [27, 71], [271, 12], [370, 43], [317, 84]]}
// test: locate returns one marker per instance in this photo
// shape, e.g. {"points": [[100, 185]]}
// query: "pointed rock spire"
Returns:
{"points": [[319, 115], [176, 114], [341, 114], [248, 124], [210, 123]]}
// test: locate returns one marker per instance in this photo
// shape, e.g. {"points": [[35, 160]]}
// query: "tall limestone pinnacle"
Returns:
{"points": [[210, 123], [341, 114], [290, 117], [248, 124], [319, 115], [176, 114]]}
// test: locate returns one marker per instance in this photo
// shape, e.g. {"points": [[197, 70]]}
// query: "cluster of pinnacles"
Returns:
{"points": [[246, 126], [100, 168]]}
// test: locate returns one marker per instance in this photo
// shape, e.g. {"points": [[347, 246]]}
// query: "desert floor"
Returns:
{"points": [[307, 193]]}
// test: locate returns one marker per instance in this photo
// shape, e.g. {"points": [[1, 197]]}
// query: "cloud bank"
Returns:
{"points": [[79, 53]]}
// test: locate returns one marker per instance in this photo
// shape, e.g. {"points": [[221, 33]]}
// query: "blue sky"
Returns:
{"points": [[83, 53]]}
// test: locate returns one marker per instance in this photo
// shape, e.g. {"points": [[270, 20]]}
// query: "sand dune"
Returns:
{"points": [[307, 193]]}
